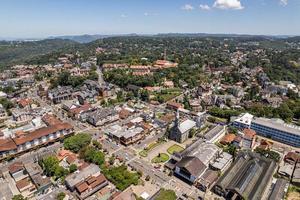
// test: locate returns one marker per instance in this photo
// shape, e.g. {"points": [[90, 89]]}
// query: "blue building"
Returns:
{"points": [[277, 130], [274, 129]]}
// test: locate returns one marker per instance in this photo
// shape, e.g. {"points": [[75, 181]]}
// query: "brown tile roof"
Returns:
{"points": [[50, 120], [292, 156], [99, 180], [22, 183], [15, 167], [123, 114], [41, 132], [82, 187], [84, 107], [173, 104], [227, 139], [71, 158], [249, 133], [24, 102], [7, 144]]}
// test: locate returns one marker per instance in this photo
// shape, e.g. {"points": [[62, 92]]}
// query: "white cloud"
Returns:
{"points": [[150, 14], [123, 16], [204, 7], [283, 2], [187, 7], [228, 4]]}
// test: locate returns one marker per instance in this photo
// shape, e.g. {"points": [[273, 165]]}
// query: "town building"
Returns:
{"points": [[27, 141], [248, 177], [180, 131], [102, 116], [274, 129], [59, 94]]}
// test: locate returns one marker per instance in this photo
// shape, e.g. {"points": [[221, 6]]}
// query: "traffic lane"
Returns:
{"points": [[148, 170], [126, 154]]}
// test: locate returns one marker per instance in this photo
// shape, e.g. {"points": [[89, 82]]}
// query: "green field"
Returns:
{"points": [[174, 148], [161, 158]]}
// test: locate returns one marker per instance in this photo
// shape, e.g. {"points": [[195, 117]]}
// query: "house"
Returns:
{"points": [[17, 171], [125, 136], [90, 185], [21, 115], [206, 181], [163, 64], [180, 131], [190, 168], [124, 195], [292, 158], [248, 139], [103, 116], [227, 139], [26, 188], [40, 181], [61, 93], [174, 105], [248, 177], [74, 179]]}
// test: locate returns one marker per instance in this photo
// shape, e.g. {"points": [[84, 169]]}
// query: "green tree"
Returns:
{"points": [[60, 196], [77, 142], [72, 168], [49, 164], [92, 155]]}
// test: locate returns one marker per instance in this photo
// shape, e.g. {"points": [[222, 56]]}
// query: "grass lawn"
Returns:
{"points": [[161, 158], [143, 153], [174, 148], [151, 146]]}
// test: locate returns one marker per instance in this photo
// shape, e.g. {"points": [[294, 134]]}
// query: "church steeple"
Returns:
{"points": [[177, 119]]}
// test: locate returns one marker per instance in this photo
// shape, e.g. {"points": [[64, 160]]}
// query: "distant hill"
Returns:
{"points": [[14, 52], [88, 38]]}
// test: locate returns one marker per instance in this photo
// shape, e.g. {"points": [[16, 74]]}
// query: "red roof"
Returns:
{"points": [[249, 133], [84, 107], [15, 167], [227, 139], [42, 132], [7, 144]]}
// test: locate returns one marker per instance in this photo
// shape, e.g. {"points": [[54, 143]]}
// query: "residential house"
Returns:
{"points": [[102, 116], [59, 94]]}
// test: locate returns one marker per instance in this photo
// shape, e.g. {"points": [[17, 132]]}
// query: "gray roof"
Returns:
{"points": [[205, 152], [278, 190], [186, 125], [193, 165], [213, 132], [75, 178], [277, 124], [248, 176]]}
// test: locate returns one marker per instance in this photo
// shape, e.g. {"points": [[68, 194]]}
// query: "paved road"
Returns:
{"points": [[150, 139], [100, 76]]}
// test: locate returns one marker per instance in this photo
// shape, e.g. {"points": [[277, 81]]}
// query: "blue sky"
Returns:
{"points": [[42, 18]]}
